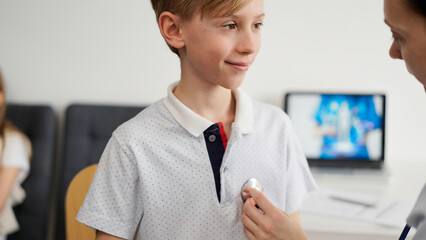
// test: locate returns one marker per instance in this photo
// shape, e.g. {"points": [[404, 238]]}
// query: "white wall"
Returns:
{"points": [[109, 51]]}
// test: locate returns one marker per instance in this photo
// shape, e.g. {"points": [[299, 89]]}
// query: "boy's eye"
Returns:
{"points": [[231, 26], [258, 25]]}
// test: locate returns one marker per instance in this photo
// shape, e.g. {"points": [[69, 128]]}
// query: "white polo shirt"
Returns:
{"points": [[155, 172]]}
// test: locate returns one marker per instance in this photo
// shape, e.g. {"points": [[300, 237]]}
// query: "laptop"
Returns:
{"points": [[339, 130]]}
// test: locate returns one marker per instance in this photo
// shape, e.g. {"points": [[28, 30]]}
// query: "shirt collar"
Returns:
{"points": [[196, 124]]}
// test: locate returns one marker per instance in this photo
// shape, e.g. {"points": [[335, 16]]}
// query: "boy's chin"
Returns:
{"points": [[233, 85]]}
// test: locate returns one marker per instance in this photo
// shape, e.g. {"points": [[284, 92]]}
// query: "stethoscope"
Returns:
{"points": [[251, 183], [254, 183], [404, 232]]}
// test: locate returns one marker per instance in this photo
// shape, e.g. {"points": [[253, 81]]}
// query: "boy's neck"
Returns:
{"points": [[212, 102]]}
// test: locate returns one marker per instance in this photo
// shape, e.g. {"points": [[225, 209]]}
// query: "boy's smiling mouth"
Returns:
{"points": [[241, 66]]}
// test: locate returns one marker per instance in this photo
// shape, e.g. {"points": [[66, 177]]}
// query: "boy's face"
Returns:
{"points": [[220, 50]]}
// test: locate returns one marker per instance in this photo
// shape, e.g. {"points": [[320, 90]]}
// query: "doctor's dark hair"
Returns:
{"points": [[185, 9], [419, 6]]}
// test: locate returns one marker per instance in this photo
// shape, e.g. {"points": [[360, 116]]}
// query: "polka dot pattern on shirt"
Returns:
{"points": [[156, 174]]}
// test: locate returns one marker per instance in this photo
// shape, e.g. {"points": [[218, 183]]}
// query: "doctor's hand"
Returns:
{"points": [[273, 223]]}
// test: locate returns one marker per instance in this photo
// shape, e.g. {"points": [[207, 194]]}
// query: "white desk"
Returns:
{"points": [[406, 179]]}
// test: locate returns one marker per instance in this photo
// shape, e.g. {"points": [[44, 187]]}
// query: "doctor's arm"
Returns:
{"points": [[273, 223]]}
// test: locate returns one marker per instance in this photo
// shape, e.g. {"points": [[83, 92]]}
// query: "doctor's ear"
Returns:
{"points": [[170, 28], [2, 100]]}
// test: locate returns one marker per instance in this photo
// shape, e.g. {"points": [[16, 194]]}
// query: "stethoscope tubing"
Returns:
{"points": [[404, 232]]}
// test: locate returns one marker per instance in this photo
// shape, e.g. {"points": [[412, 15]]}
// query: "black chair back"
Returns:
{"points": [[38, 122], [87, 131]]}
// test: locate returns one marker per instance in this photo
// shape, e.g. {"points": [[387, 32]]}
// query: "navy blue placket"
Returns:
{"points": [[216, 150]]}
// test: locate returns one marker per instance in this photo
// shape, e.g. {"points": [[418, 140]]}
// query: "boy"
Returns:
{"points": [[175, 171]]}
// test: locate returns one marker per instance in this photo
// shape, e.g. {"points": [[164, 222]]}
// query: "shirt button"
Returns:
{"points": [[212, 138]]}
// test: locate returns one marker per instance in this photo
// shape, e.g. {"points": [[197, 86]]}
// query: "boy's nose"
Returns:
{"points": [[248, 43]]}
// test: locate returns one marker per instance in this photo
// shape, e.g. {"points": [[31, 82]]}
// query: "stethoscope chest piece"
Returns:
{"points": [[251, 183]]}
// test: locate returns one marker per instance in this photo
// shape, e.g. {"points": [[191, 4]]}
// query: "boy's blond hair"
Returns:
{"points": [[185, 9]]}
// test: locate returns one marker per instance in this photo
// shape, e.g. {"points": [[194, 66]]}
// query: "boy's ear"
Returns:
{"points": [[169, 24]]}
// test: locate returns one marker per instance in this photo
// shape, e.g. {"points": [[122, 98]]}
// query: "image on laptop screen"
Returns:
{"points": [[339, 129]]}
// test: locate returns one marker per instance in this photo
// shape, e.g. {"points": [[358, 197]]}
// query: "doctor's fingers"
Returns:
{"points": [[249, 234], [252, 230], [245, 194], [249, 227], [253, 213], [261, 200], [249, 223]]}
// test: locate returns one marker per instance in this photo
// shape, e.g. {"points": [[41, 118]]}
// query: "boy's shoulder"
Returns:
{"points": [[153, 116], [266, 110], [270, 118]]}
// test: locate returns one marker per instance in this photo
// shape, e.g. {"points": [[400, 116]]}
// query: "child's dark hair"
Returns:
{"points": [[6, 125], [3, 121]]}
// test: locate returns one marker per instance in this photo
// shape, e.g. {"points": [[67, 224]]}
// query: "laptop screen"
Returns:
{"points": [[339, 129]]}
